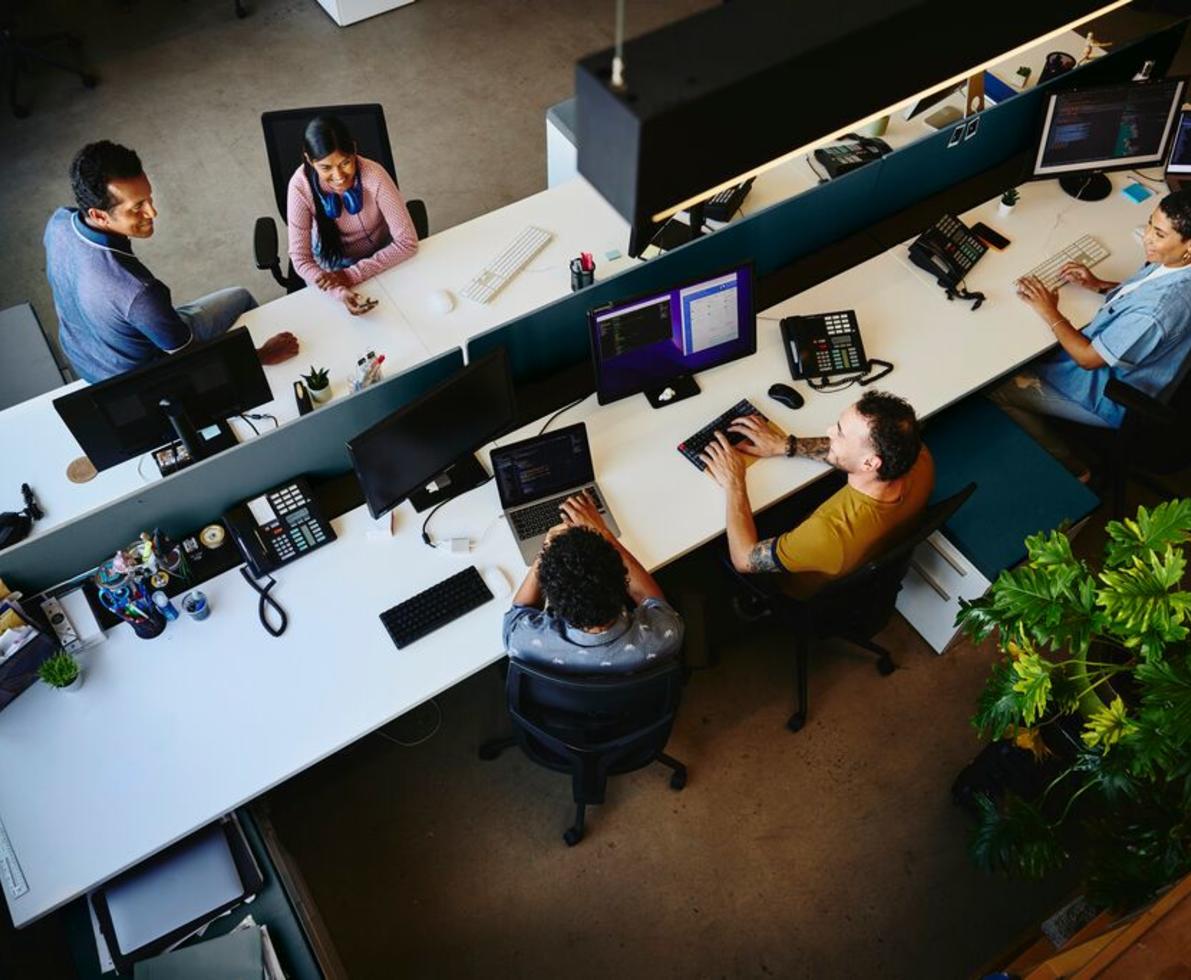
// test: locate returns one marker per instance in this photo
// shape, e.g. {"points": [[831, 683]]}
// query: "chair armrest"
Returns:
{"points": [[264, 243], [418, 215], [1144, 405]]}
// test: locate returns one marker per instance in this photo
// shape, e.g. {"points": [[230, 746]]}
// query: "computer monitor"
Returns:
{"points": [[187, 396], [425, 451], [1086, 131], [654, 343], [1178, 167]]}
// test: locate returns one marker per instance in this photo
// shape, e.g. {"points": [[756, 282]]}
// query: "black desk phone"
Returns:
{"points": [[948, 250], [854, 151], [822, 346], [725, 204], [279, 526]]}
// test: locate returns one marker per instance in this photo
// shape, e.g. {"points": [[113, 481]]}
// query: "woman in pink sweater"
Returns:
{"points": [[346, 218]]}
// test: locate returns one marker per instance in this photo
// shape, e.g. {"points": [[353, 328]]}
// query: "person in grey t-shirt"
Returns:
{"points": [[587, 605]]}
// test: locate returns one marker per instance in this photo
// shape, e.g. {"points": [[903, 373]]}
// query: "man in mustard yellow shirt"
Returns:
{"points": [[890, 475]]}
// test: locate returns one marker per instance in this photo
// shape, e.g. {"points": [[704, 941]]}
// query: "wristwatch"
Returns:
{"points": [[791, 445]]}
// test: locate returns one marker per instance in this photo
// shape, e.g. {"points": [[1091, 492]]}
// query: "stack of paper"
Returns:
{"points": [[245, 953]]}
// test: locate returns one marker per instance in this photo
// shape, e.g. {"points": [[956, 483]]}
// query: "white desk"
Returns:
{"points": [[401, 327], [167, 735]]}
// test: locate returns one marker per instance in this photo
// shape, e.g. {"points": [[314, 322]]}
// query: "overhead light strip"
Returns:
{"points": [[831, 137]]}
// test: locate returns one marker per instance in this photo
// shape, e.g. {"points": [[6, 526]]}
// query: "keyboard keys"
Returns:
{"points": [[497, 273], [435, 607], [1085, 250], [693, 445], [537, 519]]}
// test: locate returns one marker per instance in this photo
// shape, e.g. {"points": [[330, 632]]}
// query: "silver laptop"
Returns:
{"points": [[536, 475]]}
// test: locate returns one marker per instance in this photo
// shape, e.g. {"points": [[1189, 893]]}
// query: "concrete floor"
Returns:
{"points": [[831, 853]]}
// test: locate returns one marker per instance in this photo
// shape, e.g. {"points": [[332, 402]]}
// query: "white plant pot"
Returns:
{"points": [[319, 395], [1004, 210], [76, 683]]}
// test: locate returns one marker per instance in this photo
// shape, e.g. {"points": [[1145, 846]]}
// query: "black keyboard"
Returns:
{"points": [[540, 517], [436, 606], [693, 445]]}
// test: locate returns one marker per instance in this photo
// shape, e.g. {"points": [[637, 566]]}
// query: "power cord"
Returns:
{"points": [[266, 600], [559, 412], [458, 545], [425, 738]]}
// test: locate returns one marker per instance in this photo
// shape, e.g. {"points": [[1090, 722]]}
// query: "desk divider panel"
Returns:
{"points": [[553, 339], [313, 445]]}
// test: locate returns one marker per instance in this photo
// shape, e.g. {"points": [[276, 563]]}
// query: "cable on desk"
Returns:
{"points": [[425, 738], [266, 600], [245, 420], [559, 412], [426, 539], [1152, 180]]}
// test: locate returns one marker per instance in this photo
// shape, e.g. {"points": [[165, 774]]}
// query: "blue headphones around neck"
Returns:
{"points": [[333, 204]]}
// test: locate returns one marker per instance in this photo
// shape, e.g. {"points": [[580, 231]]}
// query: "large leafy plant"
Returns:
{"points": [[1094, 678]]}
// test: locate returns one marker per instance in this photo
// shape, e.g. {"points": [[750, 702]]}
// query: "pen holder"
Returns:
{"points": [[580, 276], [151, 626]]}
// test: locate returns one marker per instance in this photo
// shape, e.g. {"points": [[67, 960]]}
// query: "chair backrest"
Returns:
{"points": [[283, 131], [1160, 441], [865, 598], [628, 714]]}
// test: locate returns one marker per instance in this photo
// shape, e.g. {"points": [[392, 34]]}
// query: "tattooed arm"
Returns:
{"points": [[726, 467], [816, 448]]}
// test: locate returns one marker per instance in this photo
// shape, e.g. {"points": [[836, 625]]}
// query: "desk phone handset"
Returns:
{"points": [[825, 349], [852, 152], [279, 526], [948, 250]]}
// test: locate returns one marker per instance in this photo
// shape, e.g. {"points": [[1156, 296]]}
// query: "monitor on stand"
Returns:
{"points": [[186, 396], [1087, 131], [1178, 167], [425, 451], [655, 343]]}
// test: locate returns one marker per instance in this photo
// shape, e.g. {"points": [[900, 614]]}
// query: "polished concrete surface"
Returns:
{"points": [[835, 852]]}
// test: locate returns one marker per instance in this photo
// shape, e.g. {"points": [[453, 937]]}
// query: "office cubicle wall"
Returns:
{"points": [[553, 340], [314, 445]]}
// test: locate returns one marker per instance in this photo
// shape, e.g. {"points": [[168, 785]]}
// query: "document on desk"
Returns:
{"points": [[235, 956]]}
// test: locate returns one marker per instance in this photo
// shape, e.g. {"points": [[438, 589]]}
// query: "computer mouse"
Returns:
{"points": [[440, 301], [783, 394]]}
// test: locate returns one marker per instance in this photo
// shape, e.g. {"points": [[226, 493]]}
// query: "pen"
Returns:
{"points": [[586, 261]]}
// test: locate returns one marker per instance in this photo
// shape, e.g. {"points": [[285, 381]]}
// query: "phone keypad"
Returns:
{"points": [[837, 352], [296, 530]]}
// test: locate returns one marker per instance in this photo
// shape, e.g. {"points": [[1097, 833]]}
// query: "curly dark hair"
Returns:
{"points": [[1177, 207], [583, 578], [95, 166], [893, 430]]}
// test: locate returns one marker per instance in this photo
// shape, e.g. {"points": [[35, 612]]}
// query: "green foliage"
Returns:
{"points": [[1010, 197], [1015, 838], [317, 379], [60, 670], [1109, 648]]}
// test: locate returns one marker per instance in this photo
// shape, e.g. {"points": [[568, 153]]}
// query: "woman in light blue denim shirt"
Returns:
{"points": [[1141, 335]]}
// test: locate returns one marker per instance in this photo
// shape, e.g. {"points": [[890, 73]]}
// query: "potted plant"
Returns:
{"points": [[1008, 201], [318, 384], [1094, 672], [61, 671]]}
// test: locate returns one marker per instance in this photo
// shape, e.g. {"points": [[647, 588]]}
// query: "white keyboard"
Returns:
{"points": [[499, 271], [10, 872], [1085, 250]]}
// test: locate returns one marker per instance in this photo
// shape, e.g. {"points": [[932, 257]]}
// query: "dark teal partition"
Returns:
{"points": [[314, 444]]}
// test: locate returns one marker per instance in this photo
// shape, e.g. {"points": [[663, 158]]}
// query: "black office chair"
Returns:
{"points": [[859, 605], [283, 143], [592, 727], [1154, 441], [17, 55]]}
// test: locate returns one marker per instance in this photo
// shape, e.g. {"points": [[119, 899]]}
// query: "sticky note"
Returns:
{"points": [[1136, 193], [612, 253]]}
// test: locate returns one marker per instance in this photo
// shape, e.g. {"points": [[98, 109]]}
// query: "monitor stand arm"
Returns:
{"points": [[184, 428]]}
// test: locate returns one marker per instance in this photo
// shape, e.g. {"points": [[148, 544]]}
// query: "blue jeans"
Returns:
{"points": [[1027, 399], [327, 265], [216, 313]]}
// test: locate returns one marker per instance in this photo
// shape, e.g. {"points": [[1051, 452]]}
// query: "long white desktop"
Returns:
{"points": [[153, 746]]}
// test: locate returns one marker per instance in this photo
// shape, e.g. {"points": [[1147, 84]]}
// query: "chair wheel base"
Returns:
{"points": [[797, 720], [678, 779], [572, 836], [886, 666]]}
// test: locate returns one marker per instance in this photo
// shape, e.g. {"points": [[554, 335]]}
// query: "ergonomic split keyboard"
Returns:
{"points": [[436, 606], [497, 272], [540, 517], [1085, 250], [693, 445]]}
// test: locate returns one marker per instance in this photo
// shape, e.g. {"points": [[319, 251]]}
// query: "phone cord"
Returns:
{"points": [[266, 600]]}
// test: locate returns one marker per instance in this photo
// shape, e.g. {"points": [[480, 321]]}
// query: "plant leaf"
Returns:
{"points": [[1000, 706], [1139, 607], [1108, 726], [1014, 838], [1167, 524], [1033, 684]]}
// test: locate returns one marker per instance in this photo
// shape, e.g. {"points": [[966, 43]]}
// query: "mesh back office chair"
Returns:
{"points": [[859, 605], [1154, 439], [18, 53], [592, 727], [283, 143]]}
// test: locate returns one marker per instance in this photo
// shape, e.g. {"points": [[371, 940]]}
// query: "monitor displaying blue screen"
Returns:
{"points": [[645, 342]]}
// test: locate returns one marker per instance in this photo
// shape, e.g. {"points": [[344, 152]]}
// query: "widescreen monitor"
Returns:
{"points": [[179, 396], [1178, 167], [432, 440], [654, 343], [1086, 131]]}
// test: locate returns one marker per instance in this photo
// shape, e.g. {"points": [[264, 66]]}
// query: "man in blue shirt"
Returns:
{"points": [[1141, 335], [113, 315], [583, 577]]}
